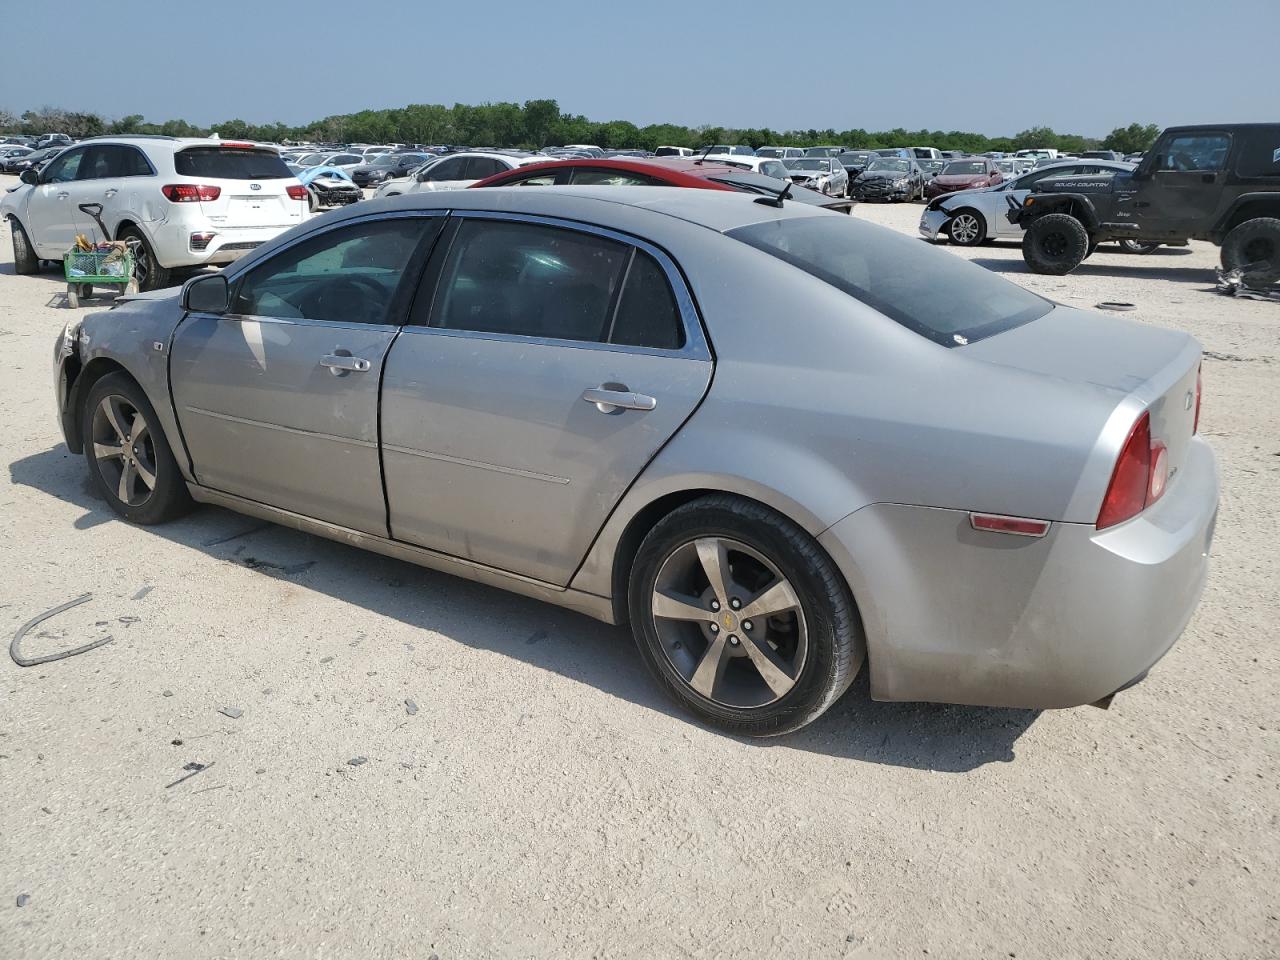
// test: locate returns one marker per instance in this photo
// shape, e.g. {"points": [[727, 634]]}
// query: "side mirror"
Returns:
{"points": [[207, 294], [30, 175]]}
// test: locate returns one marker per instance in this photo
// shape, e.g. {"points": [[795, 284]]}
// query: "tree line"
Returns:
{"points": [[541, 123]]}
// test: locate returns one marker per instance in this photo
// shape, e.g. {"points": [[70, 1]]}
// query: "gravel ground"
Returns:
{"points": [[544, 800]]}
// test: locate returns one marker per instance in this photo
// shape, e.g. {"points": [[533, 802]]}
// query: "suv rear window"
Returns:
{"points": [[938, 295], [228, 163]]}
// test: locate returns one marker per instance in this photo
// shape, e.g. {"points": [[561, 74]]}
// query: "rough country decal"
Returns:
{"points": [[1076, 184]]}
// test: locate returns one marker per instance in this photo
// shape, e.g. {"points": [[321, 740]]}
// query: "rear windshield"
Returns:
{"points": [[938, 295], [227, 163]]}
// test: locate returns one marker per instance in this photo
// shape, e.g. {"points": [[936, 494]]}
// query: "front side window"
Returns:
{"points": [[65, 168], [943, 298], [530, 280], [348, 275], [1191, 153]]}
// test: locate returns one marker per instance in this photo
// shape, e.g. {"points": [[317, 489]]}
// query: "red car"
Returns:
{"points": [[965, 174], [656, 171]]}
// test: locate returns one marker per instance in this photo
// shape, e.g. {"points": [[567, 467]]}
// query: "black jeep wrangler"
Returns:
{"points": [[1218, 183]]}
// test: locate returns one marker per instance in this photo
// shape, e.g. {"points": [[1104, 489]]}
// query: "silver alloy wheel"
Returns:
{"points": [[730, 624], [124, 450], [964, 228]]}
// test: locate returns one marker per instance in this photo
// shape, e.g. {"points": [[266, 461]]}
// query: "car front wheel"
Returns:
{"points": [[1055, 244], [128, 455], [742, 617], [967, 229]]}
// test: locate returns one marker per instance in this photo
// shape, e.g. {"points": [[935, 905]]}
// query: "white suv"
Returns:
{"points": [[189, 202]]}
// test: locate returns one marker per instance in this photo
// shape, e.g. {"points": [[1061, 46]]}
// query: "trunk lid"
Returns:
{"points": [[252, 183], [1156, 367]]}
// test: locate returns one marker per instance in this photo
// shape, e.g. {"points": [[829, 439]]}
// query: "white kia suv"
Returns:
{"points": [[189, 202]]}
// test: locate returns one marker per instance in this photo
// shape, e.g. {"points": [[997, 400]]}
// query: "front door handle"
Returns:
{"points": [[615, 397], [339, 365], [63, 195], [110, 193]]}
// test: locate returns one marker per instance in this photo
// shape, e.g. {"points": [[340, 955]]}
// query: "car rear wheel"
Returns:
{"points": [[967, 228], [742, 617], [128, 455], [1055, 244], [1255, 241], [146, 268], [24, 255]]}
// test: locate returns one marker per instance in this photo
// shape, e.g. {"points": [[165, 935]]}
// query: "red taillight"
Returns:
{"points": [[1195, 427], [297, 192], [190, 192], [1133, 482]]}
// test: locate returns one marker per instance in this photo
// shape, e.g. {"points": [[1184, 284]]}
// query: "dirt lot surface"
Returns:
{"points": [[544, 800]]}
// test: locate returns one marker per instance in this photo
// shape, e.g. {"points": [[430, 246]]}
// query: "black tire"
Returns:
{"points": [[825, 620], [1055, 244], [1254, 241], [968, 228], [1141, 247], [146, 269], [24, 255], [168, 498], [312, 203]]}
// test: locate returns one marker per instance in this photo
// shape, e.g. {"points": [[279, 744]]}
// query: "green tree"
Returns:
{"points": [[540, 118], [1135, 138]]}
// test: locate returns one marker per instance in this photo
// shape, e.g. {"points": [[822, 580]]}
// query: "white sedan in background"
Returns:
{"points": [[769, 166], [827, 175], [970, 217], [457, 171]]}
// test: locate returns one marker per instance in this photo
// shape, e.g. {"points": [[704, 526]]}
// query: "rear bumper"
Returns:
{"points": [[172, 242], [953, 615]]}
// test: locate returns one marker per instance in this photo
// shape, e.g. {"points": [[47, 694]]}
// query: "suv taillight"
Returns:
{"points": [[1139, 479], [297, 192], [190, 192]]}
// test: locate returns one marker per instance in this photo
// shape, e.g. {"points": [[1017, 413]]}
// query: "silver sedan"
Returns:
{"points": [[780, 442]]}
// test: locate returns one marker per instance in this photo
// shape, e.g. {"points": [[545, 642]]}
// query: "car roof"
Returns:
{"points": [[679, 171], [619, 208]]}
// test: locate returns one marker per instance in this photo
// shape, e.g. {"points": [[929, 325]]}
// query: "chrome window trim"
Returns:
{"points": [[301, 322], [695, 346]]}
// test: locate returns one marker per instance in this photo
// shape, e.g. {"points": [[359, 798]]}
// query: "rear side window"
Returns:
{"points": [[1260, 155], [647, 312], [227, 163], [528, 280], [941, 297]]}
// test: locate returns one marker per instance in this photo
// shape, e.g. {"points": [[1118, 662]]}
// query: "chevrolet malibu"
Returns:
{"points": [[779, 442]]}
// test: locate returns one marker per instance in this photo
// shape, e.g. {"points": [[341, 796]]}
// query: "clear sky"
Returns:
{"points": [[1079, 66]]}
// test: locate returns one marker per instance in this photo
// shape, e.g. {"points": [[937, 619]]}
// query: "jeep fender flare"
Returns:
{"points": [[1076, 204], [1247, 206]]}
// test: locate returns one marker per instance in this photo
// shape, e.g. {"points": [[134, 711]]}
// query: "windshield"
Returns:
{"points": [[942, 297], [889, 165], [810, 165], [964, 168], [230, 163], [384, 160], [931, 166]]}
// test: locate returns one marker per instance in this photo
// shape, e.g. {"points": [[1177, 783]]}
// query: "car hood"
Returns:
{"points": [[954, 180]]}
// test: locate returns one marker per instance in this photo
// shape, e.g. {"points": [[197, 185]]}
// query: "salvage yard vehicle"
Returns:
{"points": [[457, 171], [188, 202], [1219, 183], [328, 187], [585, 395], [972, 217], [971, 173], [724, 174], [823, 174], [387, 166], [889, 178]]}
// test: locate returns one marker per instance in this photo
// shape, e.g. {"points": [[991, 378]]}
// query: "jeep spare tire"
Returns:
{"points": [[1055, 244], [1254, 241]]}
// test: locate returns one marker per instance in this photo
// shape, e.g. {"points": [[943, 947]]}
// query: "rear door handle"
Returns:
{"points": [[614, 398], [110, 193], [338, 365]]}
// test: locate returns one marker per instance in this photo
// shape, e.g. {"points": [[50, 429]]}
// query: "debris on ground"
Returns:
{"points": [[176, 743], [142, 593], [24, 899], [410, 707], [167, 693], [194, 767], [1118, 306], [22, 661], [1256, 281], [235, 713], [357, 761], [326, 659], [253, 563]]}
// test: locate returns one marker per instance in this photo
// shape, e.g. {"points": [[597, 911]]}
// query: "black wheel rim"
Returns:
{"points": [[124, 450], [1259, 249], [729, 622], [1054, 244]]}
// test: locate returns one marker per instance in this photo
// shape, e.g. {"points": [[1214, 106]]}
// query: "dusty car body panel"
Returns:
{"points": [[824, 432]]}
